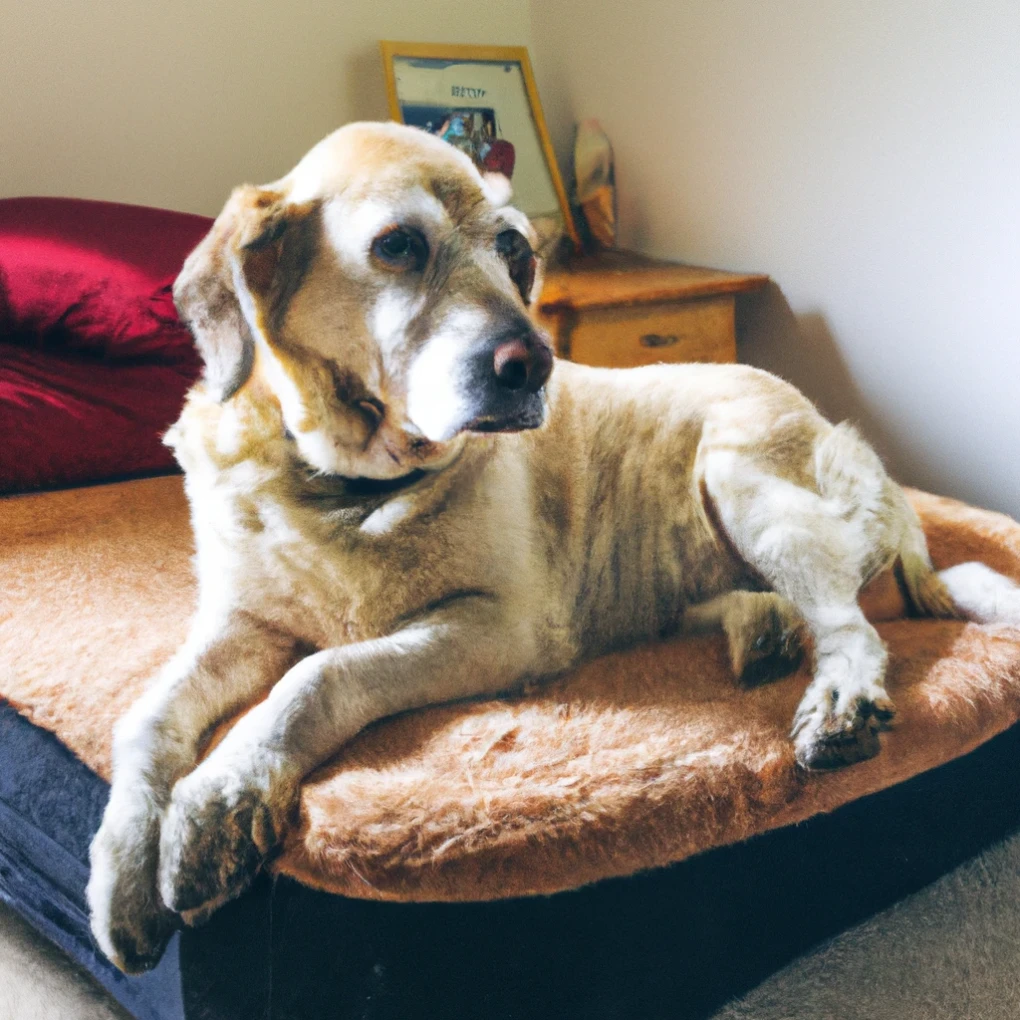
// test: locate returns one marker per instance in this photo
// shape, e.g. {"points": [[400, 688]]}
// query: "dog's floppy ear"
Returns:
{"points": [[238, 280], [526, 246]]}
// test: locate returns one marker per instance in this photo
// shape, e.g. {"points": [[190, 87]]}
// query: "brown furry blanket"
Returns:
{"points": [[634, 760]]}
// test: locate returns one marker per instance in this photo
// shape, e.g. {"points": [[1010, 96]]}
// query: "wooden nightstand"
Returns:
{"points": [[619, 309]]}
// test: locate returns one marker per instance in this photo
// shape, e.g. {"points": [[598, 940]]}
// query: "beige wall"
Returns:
{"points": [[867, 155], [863, 153], [173, 103]]}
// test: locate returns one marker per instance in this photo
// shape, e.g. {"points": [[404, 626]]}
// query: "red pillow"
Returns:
{"points": [[94, 363]]}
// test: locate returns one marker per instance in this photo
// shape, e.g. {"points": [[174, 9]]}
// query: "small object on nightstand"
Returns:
{"points": [[595, 183], [618, 309]]}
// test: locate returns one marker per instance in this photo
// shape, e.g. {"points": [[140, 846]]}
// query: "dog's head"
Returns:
{"points": [[380, 293]]}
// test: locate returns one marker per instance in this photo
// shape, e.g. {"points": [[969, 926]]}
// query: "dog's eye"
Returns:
{"points": [[520, 260], [401, 248]]}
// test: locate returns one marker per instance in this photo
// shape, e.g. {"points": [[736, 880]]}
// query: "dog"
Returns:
{"points": [[399, 499]]}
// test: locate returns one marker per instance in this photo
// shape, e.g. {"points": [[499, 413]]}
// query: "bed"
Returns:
{"points": [[484, 859]]}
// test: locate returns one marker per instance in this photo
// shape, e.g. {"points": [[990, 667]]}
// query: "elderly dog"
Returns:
{"points": [[397, 502]]}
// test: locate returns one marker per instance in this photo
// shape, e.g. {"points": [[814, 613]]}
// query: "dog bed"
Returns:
{"points": [[634, 760]]}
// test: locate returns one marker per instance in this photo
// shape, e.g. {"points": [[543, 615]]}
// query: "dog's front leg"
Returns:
{"points": [[230, 813], [224, 663]]}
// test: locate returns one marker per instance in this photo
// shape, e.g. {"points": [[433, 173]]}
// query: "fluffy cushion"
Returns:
{"points": [[634, 760], [94, 363]]}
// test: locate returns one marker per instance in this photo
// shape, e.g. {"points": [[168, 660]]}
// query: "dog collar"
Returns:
{"points": [[382, 486]]}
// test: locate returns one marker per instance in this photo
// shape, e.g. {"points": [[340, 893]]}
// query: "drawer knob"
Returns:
{"points": [[659, 339]]}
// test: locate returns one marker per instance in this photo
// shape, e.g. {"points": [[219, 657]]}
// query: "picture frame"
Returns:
{"points": [[483, 99]]}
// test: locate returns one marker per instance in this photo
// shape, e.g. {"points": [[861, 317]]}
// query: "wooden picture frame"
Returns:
{"points": [[435, 87]]}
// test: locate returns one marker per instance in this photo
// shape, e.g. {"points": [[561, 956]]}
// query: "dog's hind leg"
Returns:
{"points": [[764, 632], [968, 591], [816, 552], [981, 594]]}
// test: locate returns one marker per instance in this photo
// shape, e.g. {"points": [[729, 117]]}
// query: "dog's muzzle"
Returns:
{"points": [[507, 376]]}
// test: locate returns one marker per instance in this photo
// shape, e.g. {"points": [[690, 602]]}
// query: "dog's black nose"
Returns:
{"points": [[522, 363]]}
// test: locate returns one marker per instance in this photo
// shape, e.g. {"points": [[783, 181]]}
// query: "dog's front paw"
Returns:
{"points": [[129, 921], [221, 825], [832, 729]]}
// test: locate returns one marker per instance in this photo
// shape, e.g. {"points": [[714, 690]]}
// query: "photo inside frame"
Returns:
{"points": [[482, 108]]}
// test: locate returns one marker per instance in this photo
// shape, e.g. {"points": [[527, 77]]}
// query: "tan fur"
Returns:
{"points": [[637, 758], [381, 524]]}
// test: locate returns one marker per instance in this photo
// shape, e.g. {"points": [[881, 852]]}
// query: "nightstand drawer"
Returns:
{"points": [[700, 330]]}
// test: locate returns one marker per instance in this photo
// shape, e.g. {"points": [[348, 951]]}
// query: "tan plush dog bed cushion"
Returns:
{"points": [[634, 760]]}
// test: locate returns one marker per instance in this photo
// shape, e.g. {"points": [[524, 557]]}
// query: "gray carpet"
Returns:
{"points": [[37, 982], [949, 952]]}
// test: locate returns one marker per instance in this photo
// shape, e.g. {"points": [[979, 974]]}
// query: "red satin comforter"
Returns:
{"points": [[94, 363]]}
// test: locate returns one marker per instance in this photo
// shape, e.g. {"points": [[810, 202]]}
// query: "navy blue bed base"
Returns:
{"points": [[672, 944], [50, 807]]}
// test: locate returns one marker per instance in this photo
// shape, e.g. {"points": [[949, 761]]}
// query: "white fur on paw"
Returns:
{"points": [[982, 595], [833, 728], [128, 919], [220, 826]]}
